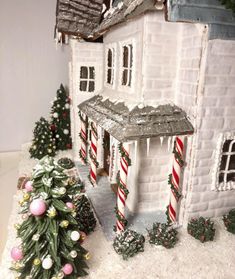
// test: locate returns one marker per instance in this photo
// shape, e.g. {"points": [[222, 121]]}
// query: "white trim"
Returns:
{"points": [[223, 186]]}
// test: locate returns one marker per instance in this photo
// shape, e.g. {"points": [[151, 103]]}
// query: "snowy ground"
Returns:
{"points": [[189, 259]]}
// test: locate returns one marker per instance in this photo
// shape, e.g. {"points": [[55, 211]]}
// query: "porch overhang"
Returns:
{"points": [[127, 125]]}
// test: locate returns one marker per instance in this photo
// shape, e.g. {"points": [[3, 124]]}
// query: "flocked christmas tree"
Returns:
{"points": [[60, 120], [50, 241], [43, 142]]}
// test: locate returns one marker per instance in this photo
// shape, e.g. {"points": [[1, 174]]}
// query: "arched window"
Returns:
{"points": [[127, 63]]}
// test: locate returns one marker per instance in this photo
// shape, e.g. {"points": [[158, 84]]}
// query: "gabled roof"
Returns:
{"points": [[78, 17], [146, 122]]}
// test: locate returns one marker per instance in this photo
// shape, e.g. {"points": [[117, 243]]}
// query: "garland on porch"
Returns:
{"points": [[92, 156], [173, 180], [83, 139], [123, 154], [229, 4]]}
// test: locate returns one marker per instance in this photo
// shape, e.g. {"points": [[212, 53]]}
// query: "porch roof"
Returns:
{"points": [[146, 122]]}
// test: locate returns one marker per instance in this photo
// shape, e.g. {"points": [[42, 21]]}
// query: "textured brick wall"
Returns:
{"points": [[87, 54], [153, 188], [216, 104], [159, 58]]}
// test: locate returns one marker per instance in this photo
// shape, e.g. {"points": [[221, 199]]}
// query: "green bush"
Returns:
{"points": [[201, 229], [66, 163], [229, 221], [163, 234], [128, 243]]}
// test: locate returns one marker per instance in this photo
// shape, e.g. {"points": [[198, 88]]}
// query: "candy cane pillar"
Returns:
{"points": [[122, 194], [175, 178], [93, 154], [83, 136]]}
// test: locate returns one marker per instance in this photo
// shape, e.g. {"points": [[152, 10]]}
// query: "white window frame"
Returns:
{"points": [[225, 185], [88, 79], [113, 48], [122, 87]]}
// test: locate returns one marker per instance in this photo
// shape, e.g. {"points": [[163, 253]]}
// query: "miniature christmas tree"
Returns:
{"points": [[43, 143], [50, 241], [85, 216], [60, 122]]}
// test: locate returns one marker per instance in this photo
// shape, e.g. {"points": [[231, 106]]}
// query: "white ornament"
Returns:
{"points": [[73, 254], [55, 115], [66, 131], [58, 106], [36, 237], [42, 141], [57, 136], [49, 150], [60, 275], [67, 106], [62, 190], [75, 235], [34, 147], [47, 263]]}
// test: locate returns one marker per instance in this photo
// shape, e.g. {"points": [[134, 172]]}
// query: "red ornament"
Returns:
{"points": [[82, 236], [64, 114], [53, 127], [69, 100], [69, 145]]}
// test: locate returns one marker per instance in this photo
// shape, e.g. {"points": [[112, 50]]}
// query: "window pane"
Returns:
{"points": [[232, 162], [92, 72], [125, 56], [84, 72], [124, 77], [131, 55], [91, 86], [226, 145], [233, 147], [223, 162], [130, 77], [83, 85], [110, 58], [231, 176], [109, 76], [221, 177]]}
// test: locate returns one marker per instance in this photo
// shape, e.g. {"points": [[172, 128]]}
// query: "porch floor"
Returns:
{"points": [[103, 200]]}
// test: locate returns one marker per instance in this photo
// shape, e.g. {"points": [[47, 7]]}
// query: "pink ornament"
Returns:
{"points": [[70, 205], [29, 186], [67, 269], [16, 254], [37, 207]]}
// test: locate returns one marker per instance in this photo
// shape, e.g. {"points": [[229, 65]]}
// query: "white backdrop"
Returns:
{"points": [[31, 69]]}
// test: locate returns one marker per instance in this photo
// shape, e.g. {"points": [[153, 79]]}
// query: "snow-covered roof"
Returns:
{"points": [[140, 122]]}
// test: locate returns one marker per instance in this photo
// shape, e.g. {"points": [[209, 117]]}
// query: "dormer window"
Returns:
{"points": [[110, 66], [87, 79], [127, 64]]}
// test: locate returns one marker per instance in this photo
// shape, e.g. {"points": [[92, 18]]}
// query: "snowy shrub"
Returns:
{"points": [[66, 163], [201, 229], [229, 221], [128, 243], [163, 234]]}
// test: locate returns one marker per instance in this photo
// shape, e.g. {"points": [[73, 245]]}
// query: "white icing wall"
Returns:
{"points": [[126, 33], [216, 106], [159, 59], [83, 54], [31, 69]]}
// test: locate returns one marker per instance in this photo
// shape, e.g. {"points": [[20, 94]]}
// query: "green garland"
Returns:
{"points": [[120, 219], [93, 129], [177, 193], [125, 190], [84, 159], [229, 4], [178, 157], [123, 154], [96, 163]]}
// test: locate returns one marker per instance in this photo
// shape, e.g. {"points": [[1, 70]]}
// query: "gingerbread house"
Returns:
{"points": [[148, 78]]}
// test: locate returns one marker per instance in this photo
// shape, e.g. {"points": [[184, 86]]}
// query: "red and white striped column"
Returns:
{"points": [[175, 178], [83, 136], [122, 193], [93, 154]]}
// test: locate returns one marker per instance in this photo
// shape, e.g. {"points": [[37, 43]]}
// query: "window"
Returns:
{"points": [[227, 163], [110, 66], [224, 172], [127, 63], [87, 79]]}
